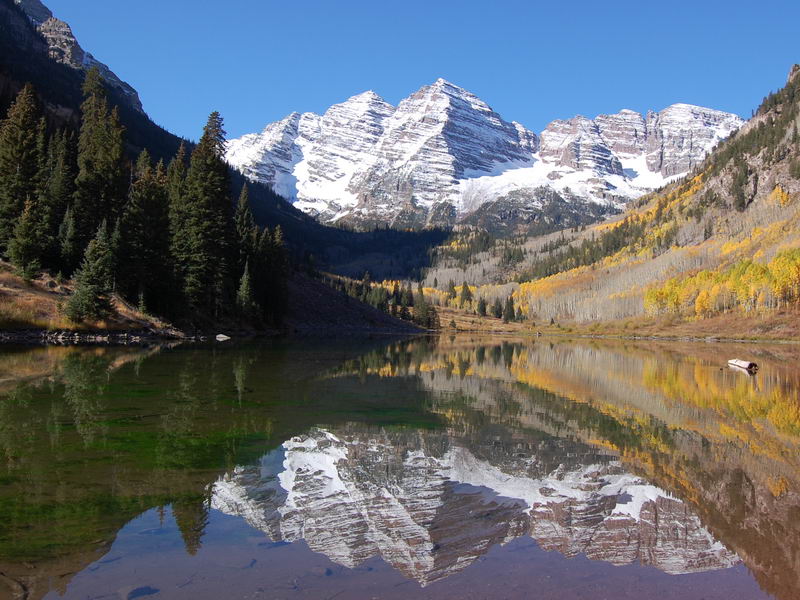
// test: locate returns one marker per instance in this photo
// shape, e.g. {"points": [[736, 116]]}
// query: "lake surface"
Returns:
{"points": [[456, 467]]}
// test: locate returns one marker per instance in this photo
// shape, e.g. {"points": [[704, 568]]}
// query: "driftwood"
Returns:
{"points": [[745, 365]]}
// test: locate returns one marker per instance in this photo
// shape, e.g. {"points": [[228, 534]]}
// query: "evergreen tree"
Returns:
{"points": [[102, 178], [396, 295], [482, 307], [365, 286], [176, 180], [179, 244], [143, 250], [59, 193], [69, 247], [497, 309], [508, 310], [466, 295], [94, 280], [451, 290], [27, 246], [407, 296], [203, 236], [20, 162], [245, 302], [244, 226]]}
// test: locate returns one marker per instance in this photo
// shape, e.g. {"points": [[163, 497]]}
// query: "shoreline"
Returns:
{"points": [[146, 337], [44, 337]]}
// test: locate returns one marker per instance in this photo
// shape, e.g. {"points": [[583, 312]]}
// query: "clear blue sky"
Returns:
{"points": [[257, 60]]}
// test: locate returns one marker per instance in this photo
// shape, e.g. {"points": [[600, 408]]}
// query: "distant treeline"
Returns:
{"points": [[396, 299]]}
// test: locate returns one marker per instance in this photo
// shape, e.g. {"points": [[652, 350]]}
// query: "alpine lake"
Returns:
{"points": [[449, 467]]}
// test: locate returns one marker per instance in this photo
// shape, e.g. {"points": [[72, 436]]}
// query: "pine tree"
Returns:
{"points": [[27, 246], [102, 178], [179, 244], [508, 310], [60, 191], [245, 302], [94, 280], [466, 295], [497, 309], [143, 252], [244, 226], [176, 179], [482, 307], [451, 290], [407, 297], [20, 161], [203, 236], [69, 246]]}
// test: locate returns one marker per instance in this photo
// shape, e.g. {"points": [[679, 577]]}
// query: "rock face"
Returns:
{"points": [[65, 48], [443, 153], [430, 505]]}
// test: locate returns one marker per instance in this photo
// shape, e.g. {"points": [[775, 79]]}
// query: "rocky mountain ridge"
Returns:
{"points": [[64, 48], [443, 153]]}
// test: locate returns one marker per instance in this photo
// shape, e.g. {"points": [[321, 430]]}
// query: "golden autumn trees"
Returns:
{"points": [[745, 286]]}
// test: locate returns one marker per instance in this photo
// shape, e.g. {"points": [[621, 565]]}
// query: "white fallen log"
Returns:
{"points": [[745, 365]]}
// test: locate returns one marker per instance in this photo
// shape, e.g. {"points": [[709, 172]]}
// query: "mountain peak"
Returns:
{"points": [[448, 87], [368, 97]]}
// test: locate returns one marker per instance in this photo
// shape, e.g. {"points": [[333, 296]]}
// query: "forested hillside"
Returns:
{"points": [[723, 240], [162, 237]]}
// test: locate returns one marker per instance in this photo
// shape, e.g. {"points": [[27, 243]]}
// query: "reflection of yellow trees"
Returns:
{"points": [[633, 388], [704, 387], [746, 286]]}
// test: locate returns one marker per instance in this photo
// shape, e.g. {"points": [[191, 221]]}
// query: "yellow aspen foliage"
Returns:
{"points": [[702, 304], [746, 285], [779, 196]]}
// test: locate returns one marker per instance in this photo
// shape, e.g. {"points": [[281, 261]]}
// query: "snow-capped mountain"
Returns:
{"points": [[443, 153], [430, 504], [64, 48]]}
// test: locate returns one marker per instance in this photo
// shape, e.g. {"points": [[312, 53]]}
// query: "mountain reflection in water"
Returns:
{"points": [[430, 455], [430, 504]]}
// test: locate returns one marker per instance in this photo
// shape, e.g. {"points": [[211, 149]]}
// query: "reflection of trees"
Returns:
{"points": [[724, 442], [176, 422], [168, 427], [85, 377], [191, 515]]}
